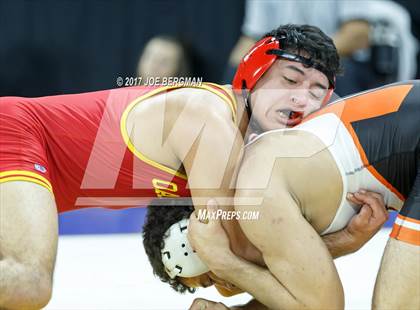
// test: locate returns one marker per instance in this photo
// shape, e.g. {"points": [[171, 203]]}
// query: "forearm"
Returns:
{"points": [[257, 281], [340, 243]]}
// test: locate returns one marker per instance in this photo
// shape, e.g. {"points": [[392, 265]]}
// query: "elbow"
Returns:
{"points": [[36, 298], [42, 297], [26, 297], [332, 299], [36, 301], [41, 291], [326, 295]]}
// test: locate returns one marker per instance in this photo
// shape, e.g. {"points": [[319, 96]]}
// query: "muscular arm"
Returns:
{"points": [[28, 245], [209, 147], [294, 279]]}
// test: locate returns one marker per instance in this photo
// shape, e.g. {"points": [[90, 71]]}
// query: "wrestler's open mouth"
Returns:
{"points": [[289, 117]]}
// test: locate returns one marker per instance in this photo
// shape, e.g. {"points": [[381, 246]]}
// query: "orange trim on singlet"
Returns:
{"points": [[408, 219], [405, 234], [366, 106], [214, 88], [23, 175]]}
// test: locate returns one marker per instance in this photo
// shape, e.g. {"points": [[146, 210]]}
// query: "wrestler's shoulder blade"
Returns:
{"points": [[299, 161]]}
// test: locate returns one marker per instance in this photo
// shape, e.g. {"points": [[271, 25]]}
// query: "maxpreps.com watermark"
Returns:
{"points": [[159, 81], [205, 215]]}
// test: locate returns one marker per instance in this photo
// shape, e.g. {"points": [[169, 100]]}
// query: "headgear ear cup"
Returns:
{"points": [[255, 63], [178, 257]]}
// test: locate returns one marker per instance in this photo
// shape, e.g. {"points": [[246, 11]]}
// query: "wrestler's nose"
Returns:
{"points": [[299, 101]]}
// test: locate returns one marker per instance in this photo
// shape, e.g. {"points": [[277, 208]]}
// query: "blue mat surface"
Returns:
{"points": [[105, 221], [102, 221]]}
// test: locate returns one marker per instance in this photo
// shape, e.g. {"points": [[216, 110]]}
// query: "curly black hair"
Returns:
{"points": [[312, 41], [162, 214]]}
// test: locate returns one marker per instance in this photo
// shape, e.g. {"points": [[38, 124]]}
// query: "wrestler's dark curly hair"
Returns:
{"points": [[312, 41], [162, 214]]}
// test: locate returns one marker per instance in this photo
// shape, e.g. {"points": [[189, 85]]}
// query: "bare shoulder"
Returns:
{"points": [[286, 144], [283, 155], [202, 102], [296, 161], [196, 104], [283, 150]]}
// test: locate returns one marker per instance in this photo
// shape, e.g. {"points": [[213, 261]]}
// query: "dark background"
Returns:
{"points": [[52, 47]]}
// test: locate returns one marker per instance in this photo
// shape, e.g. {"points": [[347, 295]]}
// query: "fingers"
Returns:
{"points": [[374, 200], [204, 220], [365, 213], [376, 203], [206, 216], [366, 197], [193, 219], [352, 198], [199, 304], [204, 304], [201, 222], [372, 215], [360, 197], [212, 205], [211, 211], [360, 222], [191, 228]]}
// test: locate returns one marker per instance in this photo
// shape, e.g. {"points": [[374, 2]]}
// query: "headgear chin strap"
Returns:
{"points": [[260, 58], [178, 257]]}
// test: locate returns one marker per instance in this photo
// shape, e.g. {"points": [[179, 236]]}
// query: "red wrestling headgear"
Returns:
{"points": [[262, 56]]}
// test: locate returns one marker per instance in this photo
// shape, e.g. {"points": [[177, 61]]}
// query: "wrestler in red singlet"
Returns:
{"points": [[77, 147]]}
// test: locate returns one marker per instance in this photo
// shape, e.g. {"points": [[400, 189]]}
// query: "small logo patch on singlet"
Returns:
{"points": [[40, 168], [165, 188]]}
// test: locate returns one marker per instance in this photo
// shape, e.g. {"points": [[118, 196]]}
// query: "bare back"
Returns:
{"points": [[307, 169]]}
